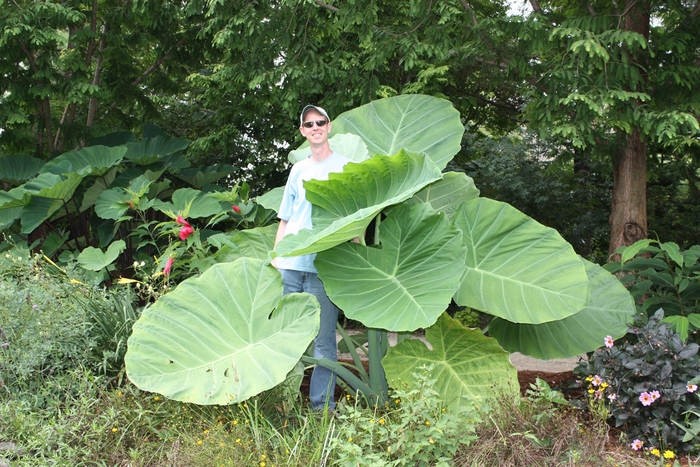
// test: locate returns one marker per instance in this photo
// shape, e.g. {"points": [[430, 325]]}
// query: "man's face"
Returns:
{"points": [[315, 134]]}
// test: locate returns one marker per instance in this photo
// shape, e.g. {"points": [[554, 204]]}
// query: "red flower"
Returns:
{"points": [[185, 232], [236, 209], [181, 220], [168, 265], [131, 205]]}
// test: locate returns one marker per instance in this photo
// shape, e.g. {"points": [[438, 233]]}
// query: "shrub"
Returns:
{"points": [[663, 276], [646, 383], [414, 431]]}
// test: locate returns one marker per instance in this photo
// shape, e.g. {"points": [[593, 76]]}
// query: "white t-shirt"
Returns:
{"points": [[296, 209]]}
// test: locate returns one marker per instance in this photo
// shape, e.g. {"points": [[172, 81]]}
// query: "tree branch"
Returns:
{"points": [[695, 11], [151, 69], [469, 8], [536, 6], [326, 6]]}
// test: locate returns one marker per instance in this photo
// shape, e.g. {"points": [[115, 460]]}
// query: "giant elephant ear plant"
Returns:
{"points": [[434, 240]]}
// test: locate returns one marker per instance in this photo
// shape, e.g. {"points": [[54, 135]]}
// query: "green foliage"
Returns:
{"points": [[468, 317], [561, 187], [414, 429], [644, 381], [664, 276], [43, 333]]}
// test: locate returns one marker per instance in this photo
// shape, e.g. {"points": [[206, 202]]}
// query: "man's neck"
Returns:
{"points": [[321, 153]]}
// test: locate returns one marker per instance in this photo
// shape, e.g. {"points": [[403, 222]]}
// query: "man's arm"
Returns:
{"points": [[280, 235]]}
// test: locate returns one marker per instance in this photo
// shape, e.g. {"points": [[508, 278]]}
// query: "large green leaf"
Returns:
{"points": [[9, 216], [14, 198], [415, 123], [189, 203], [609, 310], [54, 186], [347, 145], [37, 211], [222, 337], [272, 199], [49, 193], [112, 203], [150, 150], [200, 176], [18, 169], [448, 193], [466, 363], [249, 243], [92, 160], [100, 185], [95, 259], [408, 282], [347, 202], [518, 269]]}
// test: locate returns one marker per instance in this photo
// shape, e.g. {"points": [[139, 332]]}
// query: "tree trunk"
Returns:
{"points": [[628, 219]]}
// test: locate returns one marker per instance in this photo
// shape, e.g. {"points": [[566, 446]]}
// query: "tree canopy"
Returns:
{"points": [[610, 83]]}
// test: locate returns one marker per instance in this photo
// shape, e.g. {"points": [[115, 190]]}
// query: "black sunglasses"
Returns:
{"points": [[317, 122]]}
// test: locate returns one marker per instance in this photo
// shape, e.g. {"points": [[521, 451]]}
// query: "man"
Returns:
{"points": [[298, 272]]}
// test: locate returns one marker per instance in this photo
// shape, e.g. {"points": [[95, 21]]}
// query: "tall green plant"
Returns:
{"points": [[434, 240], [660, 275]]}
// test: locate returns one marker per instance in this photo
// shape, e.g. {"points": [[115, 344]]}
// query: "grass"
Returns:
{"points": [[87, 423]]}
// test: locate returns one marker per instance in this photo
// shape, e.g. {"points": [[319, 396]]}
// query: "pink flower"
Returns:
{"points": [[646, 399], [654, 395], [185, 232], [168, 265], [612, 397], [609, 341], [597, 380], [236, 209], [691, 387], [181, 220], [637, 444]]}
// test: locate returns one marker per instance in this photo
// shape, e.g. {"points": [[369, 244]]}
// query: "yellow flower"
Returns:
{"points": [[262, 464], [381, 421], [115, 429], [427, 423], [398, 401], [431, 440], [221, 444], [350, 440], [371, 420], [238, 440], [669, 455], [235, 422], [119, 394], [262, 457], [199, 441], [591, 391], [156, 398], [388, 449], [656, 452]]}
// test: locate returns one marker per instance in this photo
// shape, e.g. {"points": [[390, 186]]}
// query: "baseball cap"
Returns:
{"points": [[317, 109]]}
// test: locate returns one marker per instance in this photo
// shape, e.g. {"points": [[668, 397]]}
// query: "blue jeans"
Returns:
{"points": [[322, 388]]}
